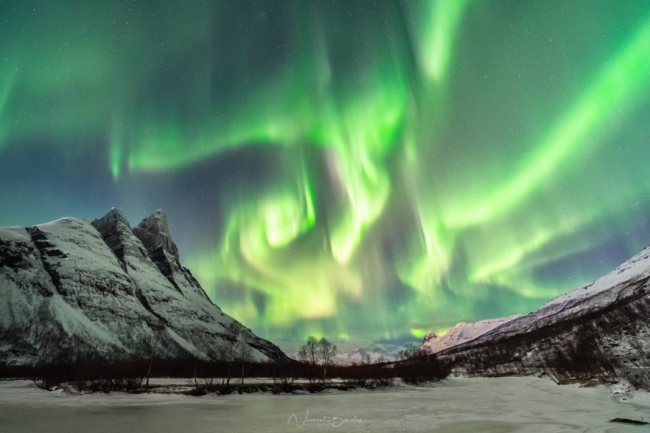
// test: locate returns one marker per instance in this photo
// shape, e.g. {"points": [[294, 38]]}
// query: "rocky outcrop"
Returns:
{"points": [[107, 290], [154, 233]]}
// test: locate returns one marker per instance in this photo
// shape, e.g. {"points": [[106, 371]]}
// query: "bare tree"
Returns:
{"points": [[326, 351], [244, 351], [309, 354], [410, 350], [311, 350], [228, 347], [151, 346]]}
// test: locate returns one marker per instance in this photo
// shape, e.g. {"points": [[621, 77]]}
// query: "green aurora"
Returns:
{"points": [[365, 170]]}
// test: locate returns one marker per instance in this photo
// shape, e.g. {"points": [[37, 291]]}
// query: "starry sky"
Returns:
{"points": [[365, 170]]}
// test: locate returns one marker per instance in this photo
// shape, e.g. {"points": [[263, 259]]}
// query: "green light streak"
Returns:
{"points": [[429, 263], [7, 84], [618, 85], [441, 20], [429, 161], [419, 333], [367, 192], [116, 150], [515, 250]]}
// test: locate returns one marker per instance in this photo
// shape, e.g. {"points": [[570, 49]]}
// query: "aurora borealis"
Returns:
{"points": [[365, 170]]}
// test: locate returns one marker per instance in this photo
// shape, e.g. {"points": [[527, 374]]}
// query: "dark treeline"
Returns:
{"points": [[93, 374], [98, 374], [419, 368]]}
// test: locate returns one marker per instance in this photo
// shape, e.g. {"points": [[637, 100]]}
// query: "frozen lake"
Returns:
{"points": [[457, 405]]}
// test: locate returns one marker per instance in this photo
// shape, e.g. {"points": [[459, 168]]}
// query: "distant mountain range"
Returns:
{"points": [[358, 356], [105, 289]]}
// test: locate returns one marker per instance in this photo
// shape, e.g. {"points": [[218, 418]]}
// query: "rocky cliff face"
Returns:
{"points": [[105, 289]]}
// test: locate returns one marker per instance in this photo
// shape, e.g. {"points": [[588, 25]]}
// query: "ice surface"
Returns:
{"points": [[458, 405]]}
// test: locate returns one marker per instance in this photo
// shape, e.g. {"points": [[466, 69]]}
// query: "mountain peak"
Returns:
{"points": [[430, 336], [113, 215], [159, 220], [154, 232]]}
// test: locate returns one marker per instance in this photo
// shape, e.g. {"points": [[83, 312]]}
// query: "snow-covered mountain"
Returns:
{"points": [[461, 333], [108, 289], [611, 316], [626, 281], [361, 355]]}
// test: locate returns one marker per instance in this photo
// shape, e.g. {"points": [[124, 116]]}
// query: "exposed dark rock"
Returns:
{"points": [[45, 247], [109, 228], [11, 257], [628, 421]]}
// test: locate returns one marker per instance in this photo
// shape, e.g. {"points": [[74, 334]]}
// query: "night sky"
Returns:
{"points": [[364, 170]]}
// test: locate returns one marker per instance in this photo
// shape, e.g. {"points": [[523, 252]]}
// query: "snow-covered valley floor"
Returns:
{"points": [[458, 405]]}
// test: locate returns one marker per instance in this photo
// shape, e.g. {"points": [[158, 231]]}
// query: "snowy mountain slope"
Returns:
{"points": [[96, 289], [32, 311], [604, 326], [628, 280], [461, 333], [166, 288], [636, 268]]}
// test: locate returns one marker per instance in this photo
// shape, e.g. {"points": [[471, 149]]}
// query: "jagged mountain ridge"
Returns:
{"points": [[104, 288]]}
